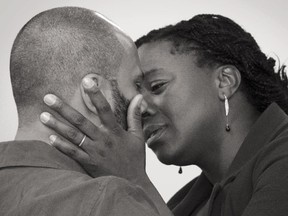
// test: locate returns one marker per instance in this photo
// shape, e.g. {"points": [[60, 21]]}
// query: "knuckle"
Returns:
{"points": [[138, 114], [72, 152], [72, 134], [101, 152], [116, 130], [92, 167], [105, 107], [78, 119], [108, 142], [58, 105]]}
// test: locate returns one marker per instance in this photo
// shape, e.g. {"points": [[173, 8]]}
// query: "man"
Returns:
{"points": [[51, 54]]}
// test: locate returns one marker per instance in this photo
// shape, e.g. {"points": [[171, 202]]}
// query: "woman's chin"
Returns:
{"points": [[166, 151], [165, 158]]}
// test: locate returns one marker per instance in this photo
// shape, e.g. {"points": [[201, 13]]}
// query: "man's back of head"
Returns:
{"points": [[51, 54], [54, 51]]}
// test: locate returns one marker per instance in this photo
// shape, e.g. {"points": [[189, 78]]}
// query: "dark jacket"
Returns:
{"points": [[257, 181]]}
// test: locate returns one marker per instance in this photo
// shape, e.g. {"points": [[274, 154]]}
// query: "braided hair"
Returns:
{"points": [[217, 40]]}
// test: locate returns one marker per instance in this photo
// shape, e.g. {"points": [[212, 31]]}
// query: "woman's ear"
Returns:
{"points": [[228, 80]]}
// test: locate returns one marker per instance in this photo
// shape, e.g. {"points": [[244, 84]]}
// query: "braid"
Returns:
{"points": [[218, 40]]}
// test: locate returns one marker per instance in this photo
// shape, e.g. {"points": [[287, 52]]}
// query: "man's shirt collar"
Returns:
{"points": [[34, 153]]}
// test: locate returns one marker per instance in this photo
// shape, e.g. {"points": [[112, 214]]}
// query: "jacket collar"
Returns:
{"points": [[264, 130], [35, 154], [191, 196]]}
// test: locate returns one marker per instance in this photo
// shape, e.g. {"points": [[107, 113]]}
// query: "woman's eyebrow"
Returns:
{"points": [[139, 77], [154, 70]]}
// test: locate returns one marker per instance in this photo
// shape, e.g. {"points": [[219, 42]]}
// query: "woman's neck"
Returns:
{"points": [[216, 167]]}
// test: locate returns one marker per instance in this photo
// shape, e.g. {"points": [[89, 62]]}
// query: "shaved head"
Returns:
{"points": [[55, 50]]}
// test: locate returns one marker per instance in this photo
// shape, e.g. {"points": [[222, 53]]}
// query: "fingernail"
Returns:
{"points": [[45, 117], [142, 103], [88, 83], [226, 70], [52, 139], [50, 99], [144, 106]]}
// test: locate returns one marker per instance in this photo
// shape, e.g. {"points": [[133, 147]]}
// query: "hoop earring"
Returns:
{"points": [[180, 170], [227, 113]]}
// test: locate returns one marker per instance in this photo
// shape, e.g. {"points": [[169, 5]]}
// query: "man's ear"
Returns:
{"points": [[103, 86], [228, 80]]}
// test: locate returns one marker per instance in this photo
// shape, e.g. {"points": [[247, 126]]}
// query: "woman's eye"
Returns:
{"points": [[158, 87]]}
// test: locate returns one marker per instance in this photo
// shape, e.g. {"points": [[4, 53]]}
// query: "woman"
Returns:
{"points": [[215, 101]]}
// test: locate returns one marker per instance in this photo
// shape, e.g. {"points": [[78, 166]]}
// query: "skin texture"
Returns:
{"points": [[106, 145], [55, 50], [126, 89], [184, 102], [188, 101], [188, 118]]}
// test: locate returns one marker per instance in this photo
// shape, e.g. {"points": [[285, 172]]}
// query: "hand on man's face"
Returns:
{"points": [[107, 149]]}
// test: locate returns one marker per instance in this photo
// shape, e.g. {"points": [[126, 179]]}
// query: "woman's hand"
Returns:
{"points": [[101, 150], [107, 149]]}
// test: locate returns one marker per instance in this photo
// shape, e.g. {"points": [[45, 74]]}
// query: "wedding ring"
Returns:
{"points": [[82, 141]]}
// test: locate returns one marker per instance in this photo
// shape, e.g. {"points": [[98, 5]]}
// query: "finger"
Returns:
{"points": [[101, 104], [68, 132], [71, 115], [69, 149], [134, 119]]}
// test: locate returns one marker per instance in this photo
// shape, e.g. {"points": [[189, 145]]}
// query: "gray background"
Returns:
{"points": [[266, 20]]}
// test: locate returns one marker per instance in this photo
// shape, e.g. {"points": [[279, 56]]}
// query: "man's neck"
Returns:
{"points": [[34, 131]]}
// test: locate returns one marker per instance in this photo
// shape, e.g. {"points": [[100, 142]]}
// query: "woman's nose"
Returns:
{"points": [[148, 108]]}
